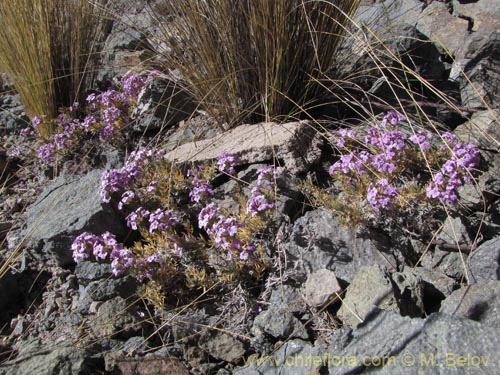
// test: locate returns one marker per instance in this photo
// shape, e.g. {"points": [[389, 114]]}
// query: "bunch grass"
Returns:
{"points": [[47, 47], [254, 59]]}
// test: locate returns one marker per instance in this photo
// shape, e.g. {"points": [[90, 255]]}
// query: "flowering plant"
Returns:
{"points": [[108, 112], [387, 165], [144, 190]]}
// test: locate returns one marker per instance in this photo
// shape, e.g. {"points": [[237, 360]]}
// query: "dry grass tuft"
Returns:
{"points": [[47, 47], [254, 59]]}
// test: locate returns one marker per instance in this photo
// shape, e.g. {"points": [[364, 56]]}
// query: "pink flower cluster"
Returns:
{"points": [[385, 148], [124, 178], [226, 163], [102, 247], [108, 110], [261, 196], [455, 171], [158, 220]]}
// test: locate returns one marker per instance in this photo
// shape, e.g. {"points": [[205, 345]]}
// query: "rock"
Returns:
{"points": [[483, 15], [451, 263], [320, 287], [151, 366], [68, 207], [279, 320], [279, 324], [449, 39], [297, 143], [200, 126], [88, 271], [454, 232], [161, 104], [12, 116], [372, 286], [484, 262], [480, 66], [223, 346], [294, 357], [409, 291], [286, 297], [114, 318], [479, 302], [436, 286], [482, 131], [440, 344], [61, 359], [319, 241], [102, 290]]}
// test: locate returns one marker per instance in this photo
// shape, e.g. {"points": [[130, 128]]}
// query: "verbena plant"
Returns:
{"points": [[47, 47], [254, 59]]}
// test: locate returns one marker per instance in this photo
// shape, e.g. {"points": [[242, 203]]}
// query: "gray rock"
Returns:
{"points": [[12, 116], [161, 104], [484, 262], [279, 320], [60, 359], [294, 357], [320, 286], [88, 271], [409, 291], [114, 318], [480, 66], [372, 286], [102, 290], [480, 302], [223, 346], [450, 38], [436, 286], [287, 297], [319, 241], [418, 346], [454, 231], [297, 143], [279, 324], [451, 263], [68, 207], [482, 131]]}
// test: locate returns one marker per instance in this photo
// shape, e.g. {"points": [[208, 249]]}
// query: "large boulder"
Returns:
{"points": [[69, 206], [319, 241], [296, 143], [387, 343]]}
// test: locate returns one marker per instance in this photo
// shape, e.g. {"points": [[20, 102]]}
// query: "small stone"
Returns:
{"points": [[372, 286], [320, 287]]}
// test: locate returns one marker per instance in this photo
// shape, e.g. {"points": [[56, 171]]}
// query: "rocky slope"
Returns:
{"points": [[337, 300]]}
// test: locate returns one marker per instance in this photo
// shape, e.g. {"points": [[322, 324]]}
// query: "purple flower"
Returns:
{"points": [[162, 219], [128, 195], [134, 218], [46, 152], [258, 202], [207, 215], [121, 259], [14, 152], [393, 118], [422, 139], [245, 253], [226, 163], [381, 195], [132, 85], [200, 190]]}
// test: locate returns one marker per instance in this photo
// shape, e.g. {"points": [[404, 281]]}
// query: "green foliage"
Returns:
{"points": [[254, 59]]}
